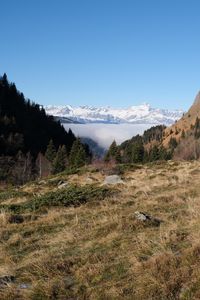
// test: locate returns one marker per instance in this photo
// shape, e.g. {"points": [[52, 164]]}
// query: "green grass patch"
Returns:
{"points": [[5, 195], [71, 196]]}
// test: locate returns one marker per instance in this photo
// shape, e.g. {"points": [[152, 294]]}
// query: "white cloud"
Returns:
{"points": [[104, 134]]}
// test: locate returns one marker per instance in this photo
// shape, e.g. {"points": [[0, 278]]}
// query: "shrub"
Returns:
{"points": [[71, 196]]}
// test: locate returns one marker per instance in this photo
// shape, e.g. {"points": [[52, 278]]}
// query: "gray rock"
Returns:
{"points": [[141, 216], [42, 182], [89, 180], [113, 179], [145, 218], [62, 184], [25, 286]]}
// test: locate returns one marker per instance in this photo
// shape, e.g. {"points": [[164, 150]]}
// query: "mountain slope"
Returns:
{"points": [[141, 114], [179, 141], [184, 124]]}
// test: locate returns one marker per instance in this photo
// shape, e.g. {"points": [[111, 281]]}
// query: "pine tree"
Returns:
{"points": [[164, 154], [59, 163], [112, 152], [81, 157], [154, 153], [118, 157], [127, 155], [173, 143], [4, 80], [50, 153], [183, 134], [77, 157], [197, 128], [137, 152], [73, 153], [113, 149]]}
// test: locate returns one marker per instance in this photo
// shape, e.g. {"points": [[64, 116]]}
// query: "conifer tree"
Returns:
{"points": [[197, 128], [173, 143], [59, 163], [112, 152], [50, 153], [77, 157], [81, 157], [118, 157], [73, 153], [183, 134], [154, 153], [107, 157], [137, 152], [113, 149]]}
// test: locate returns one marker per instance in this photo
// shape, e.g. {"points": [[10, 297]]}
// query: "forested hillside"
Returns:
{"points": [[25, 132], [25, 126], [181, 141], [138, 149]]}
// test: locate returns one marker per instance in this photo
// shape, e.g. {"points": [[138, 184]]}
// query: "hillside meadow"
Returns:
{"points": [[72, 237]]}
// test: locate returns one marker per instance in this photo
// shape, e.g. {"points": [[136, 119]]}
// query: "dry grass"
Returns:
{"points": [[98, 250]]}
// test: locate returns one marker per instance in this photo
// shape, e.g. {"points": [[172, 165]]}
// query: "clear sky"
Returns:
{"points": [[102, 52]]}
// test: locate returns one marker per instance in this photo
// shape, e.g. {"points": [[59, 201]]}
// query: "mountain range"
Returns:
{"points": [[140, 114]]}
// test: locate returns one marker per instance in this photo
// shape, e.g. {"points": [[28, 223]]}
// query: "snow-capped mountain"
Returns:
{"points": [[141, 114]]}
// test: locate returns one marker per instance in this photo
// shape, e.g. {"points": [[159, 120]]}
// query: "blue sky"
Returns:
{"points": [[102, 52]]}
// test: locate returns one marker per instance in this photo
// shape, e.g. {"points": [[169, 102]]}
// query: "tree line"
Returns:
{"points": [[141, 149]]}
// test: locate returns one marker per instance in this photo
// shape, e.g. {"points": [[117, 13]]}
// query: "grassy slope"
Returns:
{"points": [[188, 119], [98, 250]]}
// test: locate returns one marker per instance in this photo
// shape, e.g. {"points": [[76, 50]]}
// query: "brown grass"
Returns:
{"points": [[99, 250]]}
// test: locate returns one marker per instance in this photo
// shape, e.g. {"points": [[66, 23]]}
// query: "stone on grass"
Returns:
{"points": [[113, 179], [89, 180], [145, 218], [42, 182], [62, 184], [24, 286]]}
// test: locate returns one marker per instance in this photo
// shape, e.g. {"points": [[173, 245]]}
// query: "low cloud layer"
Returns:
{"points": [[104, 134]]}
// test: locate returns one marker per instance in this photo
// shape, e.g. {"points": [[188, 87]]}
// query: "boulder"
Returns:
{"points": [[42, 182], [24, 286], [113, 179], [89, 180], [62, 184], [145, 218]]}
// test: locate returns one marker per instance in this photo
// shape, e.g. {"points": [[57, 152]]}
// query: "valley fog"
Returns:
{"points": [[104, 134]]}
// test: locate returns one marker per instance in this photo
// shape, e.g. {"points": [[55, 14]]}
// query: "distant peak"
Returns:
{"points": [[141, 106]]}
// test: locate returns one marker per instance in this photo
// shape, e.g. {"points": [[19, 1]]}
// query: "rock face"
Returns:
{"points": [[113, 179], [145, 218]]}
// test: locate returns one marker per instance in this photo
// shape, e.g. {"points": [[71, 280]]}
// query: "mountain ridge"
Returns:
{"points": [[138, 114]]}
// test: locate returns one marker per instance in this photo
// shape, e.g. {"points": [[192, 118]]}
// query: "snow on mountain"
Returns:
{"points": [[141, 114]]}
